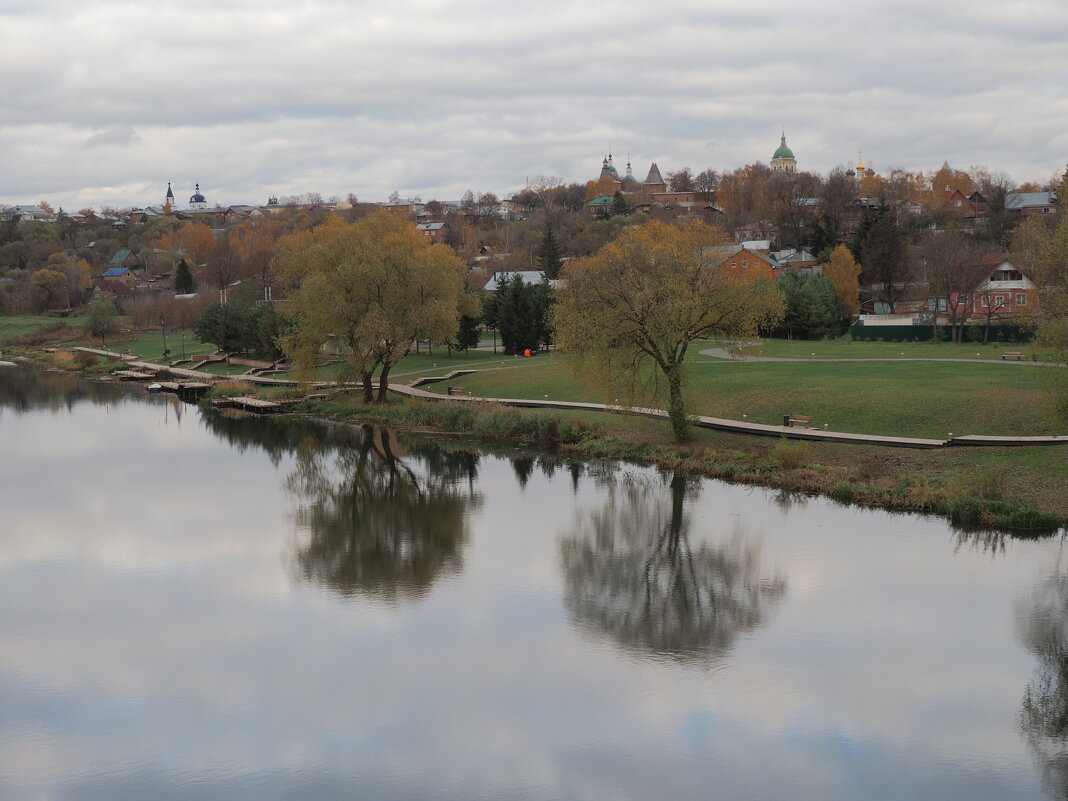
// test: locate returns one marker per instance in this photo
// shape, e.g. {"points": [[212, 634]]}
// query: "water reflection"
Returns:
{"points": [[24, 389], [631, 572], [381, 521], [1043, 622]]}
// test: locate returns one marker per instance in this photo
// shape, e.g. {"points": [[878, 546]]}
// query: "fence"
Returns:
{"points": [[925, 333]]}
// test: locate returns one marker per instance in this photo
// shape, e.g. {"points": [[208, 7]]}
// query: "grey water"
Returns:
{"points": [[199, 606]]}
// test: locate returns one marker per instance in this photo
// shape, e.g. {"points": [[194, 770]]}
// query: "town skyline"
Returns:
{"points": [[106, 104]]}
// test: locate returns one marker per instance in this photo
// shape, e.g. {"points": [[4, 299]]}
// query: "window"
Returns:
{"points": [[999, 301], [1046, 210], [1021, 300], [986, 302], [734, 265], [745, 264]]}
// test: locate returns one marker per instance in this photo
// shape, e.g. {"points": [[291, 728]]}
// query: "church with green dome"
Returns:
{"points": [[782, 160]]}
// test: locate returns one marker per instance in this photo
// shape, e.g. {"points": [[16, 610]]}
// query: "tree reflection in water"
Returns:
{"points": [[630, 571], [1043, 621], [380, 521]]}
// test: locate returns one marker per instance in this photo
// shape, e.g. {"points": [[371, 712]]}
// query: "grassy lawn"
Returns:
{"points": [[417, 364], [922, 399], [148, 345], [222, 368], [847, 349], [896, 478], [17, 325]]}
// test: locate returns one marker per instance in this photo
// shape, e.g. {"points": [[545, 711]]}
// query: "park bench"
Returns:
{"points": [[457, 391], [1013, 354], [796, 421]]}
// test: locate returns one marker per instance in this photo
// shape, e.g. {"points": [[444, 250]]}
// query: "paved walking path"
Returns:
{"points": [[722, 424], [736, 426]]}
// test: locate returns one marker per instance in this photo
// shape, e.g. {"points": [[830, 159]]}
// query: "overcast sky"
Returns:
{"points": [[103, 103]]}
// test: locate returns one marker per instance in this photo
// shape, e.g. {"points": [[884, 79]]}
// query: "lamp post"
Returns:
{"points": [[163, 326]]}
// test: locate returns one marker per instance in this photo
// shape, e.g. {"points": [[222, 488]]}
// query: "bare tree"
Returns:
{"points": [[839, 194], [707, 182], [681, 180], [791, 196], [954, 272], [884, 257]]}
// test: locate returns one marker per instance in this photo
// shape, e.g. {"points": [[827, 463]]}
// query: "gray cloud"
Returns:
{"points": [[432, 97]]}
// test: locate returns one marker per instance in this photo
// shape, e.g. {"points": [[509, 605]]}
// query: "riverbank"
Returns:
{"points": [[1018, 489]]}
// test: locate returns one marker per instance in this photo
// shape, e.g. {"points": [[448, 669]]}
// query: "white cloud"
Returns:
{"points": [[106, 103]]}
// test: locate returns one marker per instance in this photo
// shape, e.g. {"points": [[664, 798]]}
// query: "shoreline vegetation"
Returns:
{"points": [[973, 491], [1020, 490]]}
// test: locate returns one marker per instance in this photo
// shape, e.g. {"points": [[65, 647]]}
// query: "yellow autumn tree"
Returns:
{"points": [[844, 272], [643, 298], [375, 285]]}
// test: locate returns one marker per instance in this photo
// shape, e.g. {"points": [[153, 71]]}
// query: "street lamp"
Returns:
{"points": [[163, 326]]}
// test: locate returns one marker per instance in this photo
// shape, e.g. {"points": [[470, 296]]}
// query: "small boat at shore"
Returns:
{"points": [[154, 387], [8, 364]]}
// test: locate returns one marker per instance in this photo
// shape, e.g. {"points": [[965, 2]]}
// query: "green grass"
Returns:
{"points": [[843, 348], [417, 364], [921, 399], [148, 345], [17, 325], [222, 368], [1018, 488]]}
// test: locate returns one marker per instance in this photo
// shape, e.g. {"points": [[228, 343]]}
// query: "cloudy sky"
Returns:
{"points": [[103, 103]]}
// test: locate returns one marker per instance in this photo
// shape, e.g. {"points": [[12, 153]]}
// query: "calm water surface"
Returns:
{"points": [[195, 606]]}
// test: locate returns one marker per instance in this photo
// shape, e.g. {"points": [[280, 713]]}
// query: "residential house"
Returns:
{"points": [[27, 214], [124, 274], [433, 231], [408, 206], [764, 229], [1026, 204], [795, 259], [1005, 292], [743, 264], [501, 277], [124, 258]]}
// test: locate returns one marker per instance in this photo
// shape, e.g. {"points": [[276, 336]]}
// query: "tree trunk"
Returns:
{"points": [[680, 427], [368, 387], [383, 383]]}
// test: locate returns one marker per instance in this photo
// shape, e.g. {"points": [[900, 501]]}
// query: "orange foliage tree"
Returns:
{"points": [[844, 272]]}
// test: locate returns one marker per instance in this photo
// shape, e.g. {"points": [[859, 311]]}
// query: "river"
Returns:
{"points": [[199, 606]]}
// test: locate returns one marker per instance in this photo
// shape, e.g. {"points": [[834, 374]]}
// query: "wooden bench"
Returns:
{"points": [[1013, 354], [454, 390], [797, 421]]}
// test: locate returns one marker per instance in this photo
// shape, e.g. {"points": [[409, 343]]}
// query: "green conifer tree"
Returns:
{"points": [[183, 279], [549, 258]]}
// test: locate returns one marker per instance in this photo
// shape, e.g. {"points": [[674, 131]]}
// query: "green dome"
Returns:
{"points": [[783, 152]]}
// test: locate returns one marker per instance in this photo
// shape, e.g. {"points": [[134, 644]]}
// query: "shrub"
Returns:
{"points": [[844, 491], [791, 455], [85, 360], [990, 482]]}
